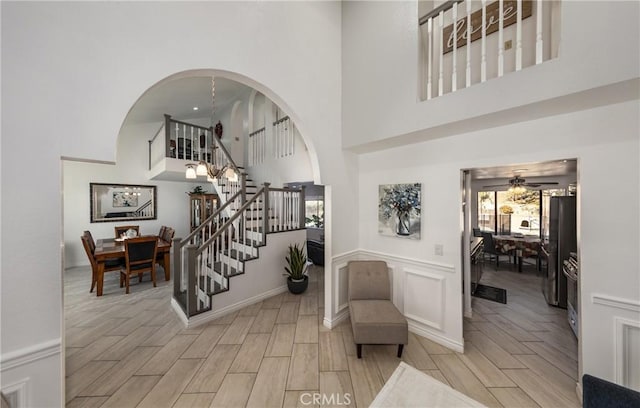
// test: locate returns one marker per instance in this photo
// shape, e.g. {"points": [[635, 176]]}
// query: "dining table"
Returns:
{"points": [[518, 246], [111, 248]]}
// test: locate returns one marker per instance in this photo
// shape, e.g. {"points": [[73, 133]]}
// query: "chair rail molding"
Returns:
{"points": [[617, 302], [438, 266], [30, 354]]}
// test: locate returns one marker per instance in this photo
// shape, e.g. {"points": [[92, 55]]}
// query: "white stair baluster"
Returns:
{"points": [[429, 56], [501, 38], [519, 36], [441, 64], [454, 58], [469, 31], [539, 32], [483, 56]]}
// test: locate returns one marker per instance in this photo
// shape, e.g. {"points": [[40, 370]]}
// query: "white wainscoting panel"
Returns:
{"points": [[627, 337], [424, 297]]}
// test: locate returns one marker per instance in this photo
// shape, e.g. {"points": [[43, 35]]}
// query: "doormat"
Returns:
{"points": [[490, 293]]}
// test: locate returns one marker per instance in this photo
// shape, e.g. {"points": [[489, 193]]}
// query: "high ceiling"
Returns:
{"points": [[178, 97]]}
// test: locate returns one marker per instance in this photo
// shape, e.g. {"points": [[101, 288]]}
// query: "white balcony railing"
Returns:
{"points": [[472, 41]]}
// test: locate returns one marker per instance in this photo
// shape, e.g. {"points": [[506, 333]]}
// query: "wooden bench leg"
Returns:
{"points": [[359, 350], [400, 347]]}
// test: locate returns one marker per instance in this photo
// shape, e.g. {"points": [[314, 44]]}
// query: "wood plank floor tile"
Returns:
{"points": [[514, 330], [338, 385], [121, 372], [303, 368], [306, 329], [234, 391], [288, 312], [386, 359], [162, 361], [561, 382], [129, 343], [300, 399], [268, 389], [415, 353], [490, 349], [251, 310], [202, 400], [366, 380], [430, 346], [84, 376], [84, 356], [274, 302], [84, 336], [559, 359], [264, 321], [251, 352], [483, 368], [462, 379], [332, 356], [132, 392], [513, 397], [281, 341], [205, 342], [539, 390], [164, 333], [349, 343], [133, 323], [237, 331], [86, 402], [309, 305], [563, 341], [167, 391], [226, 319], [214, 368], [502, 338]]}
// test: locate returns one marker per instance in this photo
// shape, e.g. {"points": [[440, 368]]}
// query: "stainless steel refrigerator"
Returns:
{"points": [[561, 242]]}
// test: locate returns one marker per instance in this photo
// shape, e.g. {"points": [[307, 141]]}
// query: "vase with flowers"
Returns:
{"points": [[400, 201]]}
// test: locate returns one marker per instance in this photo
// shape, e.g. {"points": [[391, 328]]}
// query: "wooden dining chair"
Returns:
{"points": [[140, 257], [161, 232], [166, 236], [109, 266], [122, 229]]}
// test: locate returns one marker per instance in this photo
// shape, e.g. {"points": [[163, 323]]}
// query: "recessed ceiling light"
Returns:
{"points": [[519, 170], [195, 108], [564, 161]]}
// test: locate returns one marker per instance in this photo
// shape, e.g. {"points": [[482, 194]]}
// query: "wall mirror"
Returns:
{"points": [[122, 202]]}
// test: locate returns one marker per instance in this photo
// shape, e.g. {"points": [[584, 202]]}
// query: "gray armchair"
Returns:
{"points": [[374, 318]]}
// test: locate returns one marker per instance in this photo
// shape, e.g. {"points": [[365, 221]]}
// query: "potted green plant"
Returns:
{"points": [[297, 280]]}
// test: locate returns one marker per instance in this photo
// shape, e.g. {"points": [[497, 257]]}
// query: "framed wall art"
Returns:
{"points": [[122, 202], [399, 209]]}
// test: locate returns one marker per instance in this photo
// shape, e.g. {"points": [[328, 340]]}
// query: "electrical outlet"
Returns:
{"points": [[507, 45], [439, 249]]}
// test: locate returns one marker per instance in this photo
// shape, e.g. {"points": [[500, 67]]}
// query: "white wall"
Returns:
{"points": [[130, 168], [71, 72], [609, 180]]}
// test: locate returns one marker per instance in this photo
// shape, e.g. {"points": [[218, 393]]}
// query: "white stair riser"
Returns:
{"points": [[248, 249], [256, 236], [239, 266]]}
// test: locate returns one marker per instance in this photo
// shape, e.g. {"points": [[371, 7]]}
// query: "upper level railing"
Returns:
{"points": [[465, 42]]}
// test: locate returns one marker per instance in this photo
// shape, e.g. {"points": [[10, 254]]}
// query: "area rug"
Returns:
{"points": [[490, 293], [409, 387]]}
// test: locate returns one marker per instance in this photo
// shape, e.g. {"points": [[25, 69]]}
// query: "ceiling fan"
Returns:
{"points": [[518, 182]]}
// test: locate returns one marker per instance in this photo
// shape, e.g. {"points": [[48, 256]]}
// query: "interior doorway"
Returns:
{"points": [[516, 295]]}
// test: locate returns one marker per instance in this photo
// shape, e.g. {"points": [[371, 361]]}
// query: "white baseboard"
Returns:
{"points": [[30, 354], [419, 329], [579, 391], [206, 317], [340, 317]]}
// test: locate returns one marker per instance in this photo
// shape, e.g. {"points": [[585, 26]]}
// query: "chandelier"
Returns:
{"points": [[202, 168]]}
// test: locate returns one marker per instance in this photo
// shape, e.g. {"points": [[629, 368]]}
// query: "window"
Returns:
{"points": [[314, 213], [519, 213], [486, 211]]}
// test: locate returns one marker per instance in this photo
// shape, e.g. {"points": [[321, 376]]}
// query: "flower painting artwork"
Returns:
{"points": [[399, 210]]}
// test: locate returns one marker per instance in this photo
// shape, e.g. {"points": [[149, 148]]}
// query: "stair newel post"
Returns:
{"points": [[167, 135], [265, 212], [176, 255], [192, 292], [302, 210]]}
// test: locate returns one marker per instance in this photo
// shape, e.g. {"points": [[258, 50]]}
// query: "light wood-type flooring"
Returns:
{"points": [[132, 350]]}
